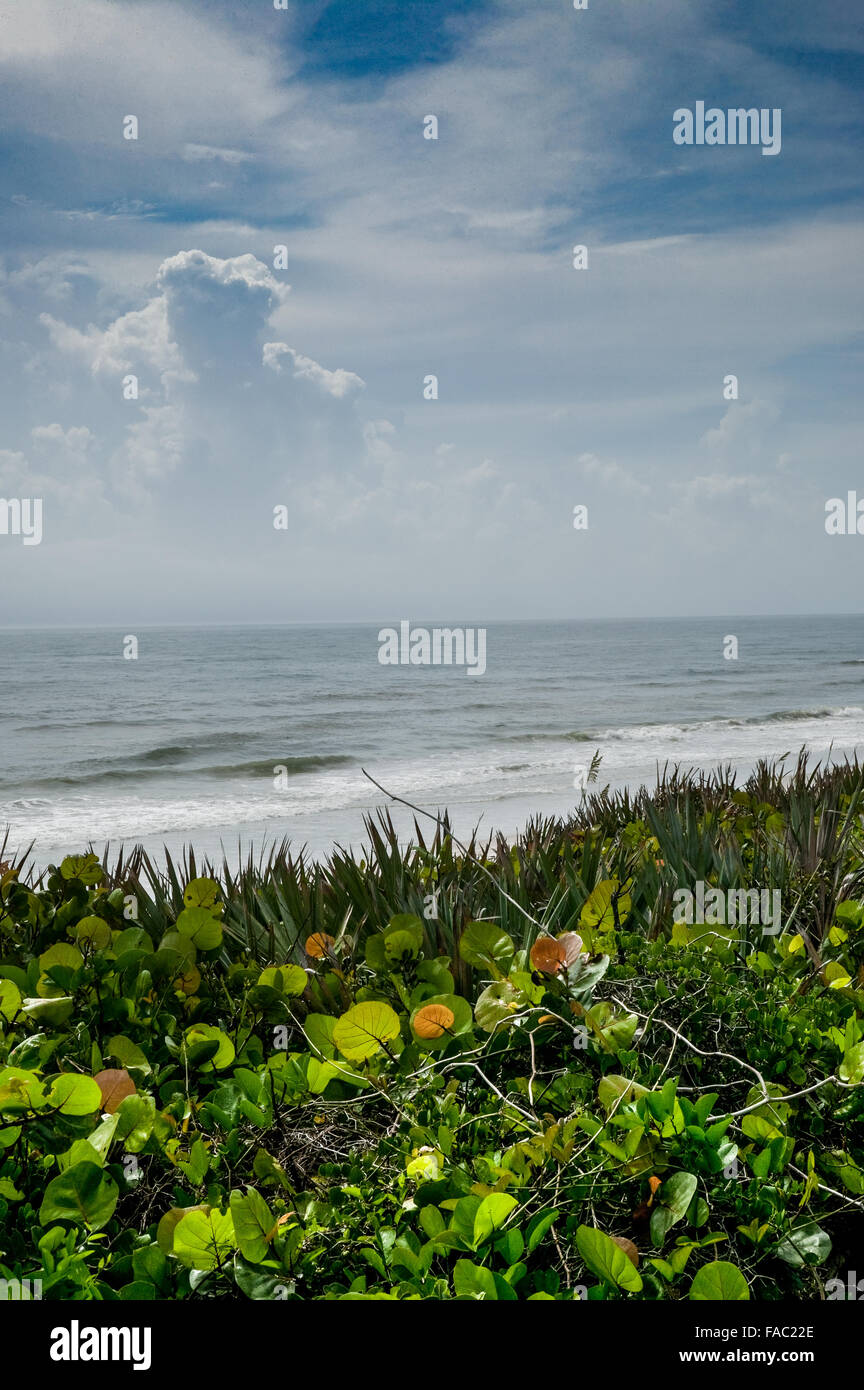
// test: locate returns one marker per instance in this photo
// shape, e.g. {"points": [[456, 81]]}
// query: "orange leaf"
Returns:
{"points": [[433, 1020], [319, 944], [548, 955], [115, 1084]]}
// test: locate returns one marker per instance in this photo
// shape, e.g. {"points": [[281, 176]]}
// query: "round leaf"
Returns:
{"points": [[205, 1032], [433, 1021], [360, 1032], [287, 979], [204, 893], [115, 1084], [84, 1194], [204, 1239], [719, 1282], [85, 867], [92, 932], [319, 945], [10, 999], [72, 1094], [485, 945]]}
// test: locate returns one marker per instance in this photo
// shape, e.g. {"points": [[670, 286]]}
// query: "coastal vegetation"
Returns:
{"points": [[498, 1070]]}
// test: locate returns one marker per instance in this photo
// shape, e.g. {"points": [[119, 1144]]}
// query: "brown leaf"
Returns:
{"points": [[548, 955], [115, 1084]]}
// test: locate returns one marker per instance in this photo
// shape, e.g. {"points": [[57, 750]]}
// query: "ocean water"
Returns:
{"points": [[181, 745]]}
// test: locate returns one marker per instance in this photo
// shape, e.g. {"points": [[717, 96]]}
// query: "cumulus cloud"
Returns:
{"points": [[338, 383], [141, 338]]}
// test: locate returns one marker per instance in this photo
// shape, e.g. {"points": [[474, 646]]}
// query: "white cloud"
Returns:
{"points": [[338, 383], [612, 475]]}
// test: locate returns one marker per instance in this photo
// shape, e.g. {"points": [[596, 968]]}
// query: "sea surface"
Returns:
{"points": [[182, 744]]}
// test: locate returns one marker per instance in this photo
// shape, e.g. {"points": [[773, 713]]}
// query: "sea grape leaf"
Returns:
{"points": [[719, 1282], [84, 1194], [607, 1260], [361, 1031]]}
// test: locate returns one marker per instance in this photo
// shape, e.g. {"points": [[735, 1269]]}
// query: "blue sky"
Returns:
{"points": [[260, 386]]}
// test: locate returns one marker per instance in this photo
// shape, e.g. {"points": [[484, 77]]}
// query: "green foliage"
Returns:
{"points": [[290, 1082]]}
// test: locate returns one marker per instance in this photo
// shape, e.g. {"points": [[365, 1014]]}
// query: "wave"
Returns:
{"points": [[132, 773], [685, 727]]}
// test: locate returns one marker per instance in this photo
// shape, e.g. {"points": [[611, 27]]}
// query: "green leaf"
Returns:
{"points": [[56, 1011], [85, 867], [61, 953], [496, 1004], [10, 1000], [614, 1092], [677, 1193], [400, 945], [84, 1194], [128, 1053], [204, 1238], [852, 1066], [486, 946], [474, 1281], [93, 932], [538, 1226], [200, 927], [205, 1032], [719, 1282], [599, 912], [253, 1225], [491, 1215], [288, 979], [204, 893], [360, 1032], [135, 1116], [319, 1030], [607, 1260], [262, 1285], [73, 1094], [805, 1245], [197, 1166]]}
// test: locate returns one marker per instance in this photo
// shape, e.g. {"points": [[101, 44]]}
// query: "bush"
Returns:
{"points": [[491, 1071]]}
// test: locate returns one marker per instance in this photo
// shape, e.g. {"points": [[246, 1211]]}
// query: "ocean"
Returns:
{"points": [[235, 737]]}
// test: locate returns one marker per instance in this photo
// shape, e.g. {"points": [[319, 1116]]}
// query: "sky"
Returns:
{"points": [[295, 380]]}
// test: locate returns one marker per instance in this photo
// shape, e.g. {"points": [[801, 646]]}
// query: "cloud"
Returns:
{"points": [[155, 257], [338, 383], [195, 153], [139, 339], [612, 475]]}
